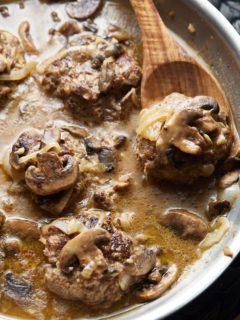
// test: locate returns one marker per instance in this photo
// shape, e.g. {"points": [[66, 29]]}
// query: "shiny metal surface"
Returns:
{"points": [[219, 45]]}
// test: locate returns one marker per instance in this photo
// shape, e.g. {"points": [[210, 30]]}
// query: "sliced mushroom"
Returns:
{"points": [[56, 203], [155, 276], [27, 41], [79, 132], [189, 140], [27, 143], [83, 9], [185, 224], [93, 146], [106, 154], [107, 157], [69, 28], [84, 248], [153, 291], [140, 263], [229, 179], [22, 228], [53, 174], [217, 208], [129, 101], [16, 288]]}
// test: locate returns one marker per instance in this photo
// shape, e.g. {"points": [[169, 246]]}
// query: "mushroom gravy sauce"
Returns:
{"points": [[143, 203]]}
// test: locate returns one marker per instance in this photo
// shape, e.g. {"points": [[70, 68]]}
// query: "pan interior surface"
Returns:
{"points": [[216, 45]]}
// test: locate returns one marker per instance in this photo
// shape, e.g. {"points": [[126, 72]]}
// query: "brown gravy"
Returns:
{"points": [[32, 108]]}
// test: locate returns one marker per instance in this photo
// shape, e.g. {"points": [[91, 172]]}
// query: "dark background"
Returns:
{"points": [[222, 300], [230, 9]]}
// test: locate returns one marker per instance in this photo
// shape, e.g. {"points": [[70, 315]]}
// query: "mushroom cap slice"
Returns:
{"points": [[22, 228], [77, 131], [16, 288], [185, 224], [28, 142], [83, 247], [155, 291], [217, 208], [83, 9], [55, 204], [229, 179], [53, 174], [143, 262]]}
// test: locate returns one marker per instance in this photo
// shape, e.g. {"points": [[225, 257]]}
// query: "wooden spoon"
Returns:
{"points": [[167, 67]]}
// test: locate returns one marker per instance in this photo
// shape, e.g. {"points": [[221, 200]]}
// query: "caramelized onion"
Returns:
{"points": [[69, 226], [43, 65], [5, 162], [11, 173], [19, 74], [16, 187], [26, 38], [32, 156], [220, 226], [126, 220], [151, 120]]}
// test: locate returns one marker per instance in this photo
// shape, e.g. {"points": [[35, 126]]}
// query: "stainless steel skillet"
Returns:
{"points": [[219, 44], [216, 41]]}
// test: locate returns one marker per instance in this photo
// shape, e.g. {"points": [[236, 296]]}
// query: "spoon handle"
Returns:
{"points": [[158, 45]]}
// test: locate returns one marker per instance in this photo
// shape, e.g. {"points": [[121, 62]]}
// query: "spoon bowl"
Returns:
{"points": [[167, 67]]}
